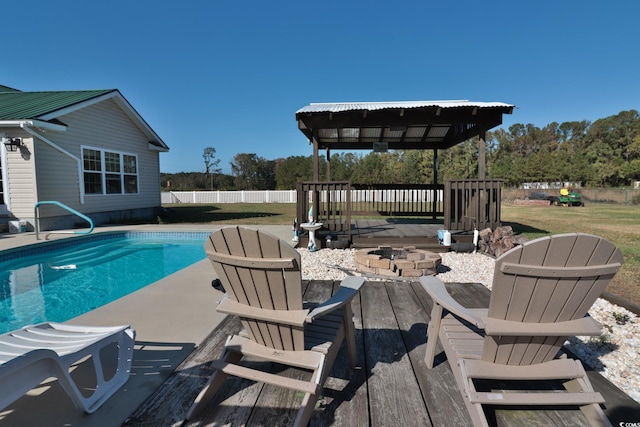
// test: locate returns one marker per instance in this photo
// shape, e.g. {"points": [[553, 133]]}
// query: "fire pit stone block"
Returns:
{"points": [[387, 261]]}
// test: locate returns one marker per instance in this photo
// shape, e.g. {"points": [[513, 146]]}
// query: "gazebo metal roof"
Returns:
{"points": [[398, 125]]}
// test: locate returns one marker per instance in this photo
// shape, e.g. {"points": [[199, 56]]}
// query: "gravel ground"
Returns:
{"points": [[614, 353]]}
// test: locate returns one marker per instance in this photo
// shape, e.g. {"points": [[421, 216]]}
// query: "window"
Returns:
{"points": [[92, 171], [112, 177], [109, 172], [130, 174]]}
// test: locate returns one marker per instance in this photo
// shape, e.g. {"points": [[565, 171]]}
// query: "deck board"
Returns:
{"points": [[391, 385], [438, 385], [394, 395], [345, 396]]}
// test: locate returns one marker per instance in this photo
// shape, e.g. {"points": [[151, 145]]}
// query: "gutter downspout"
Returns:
{"points": [[63, 151]]}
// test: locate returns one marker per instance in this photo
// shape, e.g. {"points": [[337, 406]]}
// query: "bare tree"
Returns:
{"points": [[211, 163]]}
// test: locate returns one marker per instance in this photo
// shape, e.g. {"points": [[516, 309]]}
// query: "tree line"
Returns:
{"points": [[603, 153]]}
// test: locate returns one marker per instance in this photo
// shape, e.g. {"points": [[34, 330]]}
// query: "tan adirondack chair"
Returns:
{"points": [[263, 283], [541, 293]]}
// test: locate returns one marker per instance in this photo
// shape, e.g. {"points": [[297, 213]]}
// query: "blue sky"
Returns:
{"points": [[231, 74]]}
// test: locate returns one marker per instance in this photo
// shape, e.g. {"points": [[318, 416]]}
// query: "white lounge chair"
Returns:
{"points": [[30, 355]]}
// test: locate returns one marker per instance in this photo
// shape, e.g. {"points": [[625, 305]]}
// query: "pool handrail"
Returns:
{"points": [[63, 206]]}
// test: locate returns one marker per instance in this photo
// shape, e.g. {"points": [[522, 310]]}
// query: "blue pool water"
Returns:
{"points": [[57, 281]]}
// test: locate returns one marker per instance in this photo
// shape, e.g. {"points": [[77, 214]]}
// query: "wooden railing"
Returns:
{"points": [[331, 201], [336, 202], [465, 204], [397, 200], [472, 203]]}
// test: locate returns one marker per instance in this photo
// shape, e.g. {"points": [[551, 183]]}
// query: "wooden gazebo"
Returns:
{"points": [[417, 125]]}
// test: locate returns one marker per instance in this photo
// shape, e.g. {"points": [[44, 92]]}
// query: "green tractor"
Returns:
{"points": [[566, 198]]}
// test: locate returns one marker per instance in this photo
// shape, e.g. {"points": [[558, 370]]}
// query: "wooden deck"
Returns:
{"points": [[398, 232], [391, 387], [368, 233]]}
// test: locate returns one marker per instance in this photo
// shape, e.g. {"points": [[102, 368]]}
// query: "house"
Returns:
{"points": [[88, 149]]}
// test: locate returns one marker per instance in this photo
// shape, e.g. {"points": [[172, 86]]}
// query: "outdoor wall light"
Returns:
{"points": [[12, 144]]}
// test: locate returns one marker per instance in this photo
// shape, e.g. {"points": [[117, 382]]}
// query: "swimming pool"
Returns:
{"points": [[56, 281]]}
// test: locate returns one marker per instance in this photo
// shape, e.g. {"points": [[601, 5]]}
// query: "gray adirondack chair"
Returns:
{"points": [[263, 283], [541, 293]]}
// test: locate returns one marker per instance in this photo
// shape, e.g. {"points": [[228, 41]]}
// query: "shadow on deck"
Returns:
{"points": [[391, 387]]}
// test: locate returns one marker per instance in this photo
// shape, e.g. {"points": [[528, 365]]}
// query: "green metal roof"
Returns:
{"points": [[7, 89], [48, 106], [16, 105]]}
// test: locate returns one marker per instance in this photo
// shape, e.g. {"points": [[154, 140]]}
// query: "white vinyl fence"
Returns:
{"points": [[259, 196], [394, 195], [289, 196]]}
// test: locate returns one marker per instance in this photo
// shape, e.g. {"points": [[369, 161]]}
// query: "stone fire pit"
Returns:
{"points": [[397, 262]]}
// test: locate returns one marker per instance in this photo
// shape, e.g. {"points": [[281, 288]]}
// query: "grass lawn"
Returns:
{"points": [[233, 213], [618, 223]]}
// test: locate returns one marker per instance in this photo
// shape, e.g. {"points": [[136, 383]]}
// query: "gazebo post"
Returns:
{"points": [[316, 178], [316, 162], [328, 176], [435, 183], [482, 146]]}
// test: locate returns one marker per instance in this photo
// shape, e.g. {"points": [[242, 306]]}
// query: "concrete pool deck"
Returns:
{"points": [[171, 318]]}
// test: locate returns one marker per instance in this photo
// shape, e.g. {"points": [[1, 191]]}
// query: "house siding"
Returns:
{"points": [[103, 126], [21, 179], [57, 174]]}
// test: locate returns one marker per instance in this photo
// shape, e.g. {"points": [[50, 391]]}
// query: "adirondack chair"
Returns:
{"points": [[541, 293], [263, 283]]}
